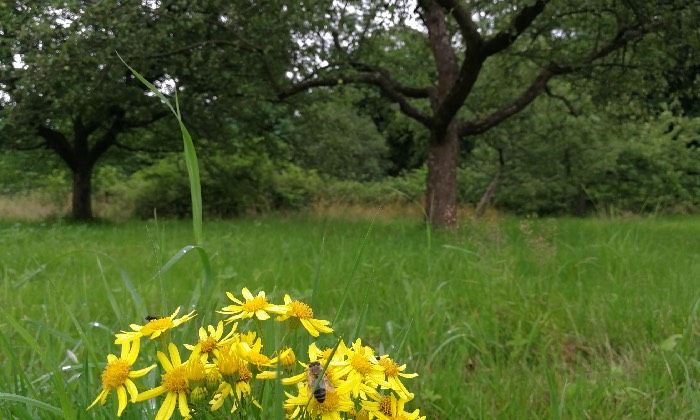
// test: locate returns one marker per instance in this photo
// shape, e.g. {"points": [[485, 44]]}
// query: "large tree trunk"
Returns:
{"points": [[82, 192], [441, 185]]}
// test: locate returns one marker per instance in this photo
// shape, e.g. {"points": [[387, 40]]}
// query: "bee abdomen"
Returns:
{"points": [[320, 394]]}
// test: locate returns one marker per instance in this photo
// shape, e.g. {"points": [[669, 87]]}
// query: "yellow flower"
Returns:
{"points": [[300, 313], [154, 328], [236, 390], [361, 367], [215, 339], [389, 408], [254, 355], [287, 359], [393, 372], [118, 375], [254, 306], [335, 402], [174, 382]]}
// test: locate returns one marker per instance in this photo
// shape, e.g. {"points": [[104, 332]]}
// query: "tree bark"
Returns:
{"points": [[82, 192], [441, 185]]}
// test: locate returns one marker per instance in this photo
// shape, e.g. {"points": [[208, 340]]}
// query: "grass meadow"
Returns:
{"points": [[501, 318]]}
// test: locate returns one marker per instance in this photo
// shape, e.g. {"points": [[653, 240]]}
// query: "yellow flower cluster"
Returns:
{"points": [[228, 369]]}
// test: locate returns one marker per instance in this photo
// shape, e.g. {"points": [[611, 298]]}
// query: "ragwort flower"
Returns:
{"points": [[237, 389], [394, 373], [300, 313], [254, 306], [336, 401], [174, 382], [118, 375], [154, 328], [214, 340], [389, 408], [361, 367]]}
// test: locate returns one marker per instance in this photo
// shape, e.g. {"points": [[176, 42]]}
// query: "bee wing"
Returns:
{"points": [[328, 384]]}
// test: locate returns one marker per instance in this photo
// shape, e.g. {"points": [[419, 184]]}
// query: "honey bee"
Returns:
{"points": [[319, 388]]}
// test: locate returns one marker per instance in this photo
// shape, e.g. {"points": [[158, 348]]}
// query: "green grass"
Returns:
{"points": [[502, 319]]}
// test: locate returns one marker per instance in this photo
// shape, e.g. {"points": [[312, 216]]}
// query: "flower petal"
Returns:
{"points": [[131, 387], [168, 408], [121, 396], [164, 361], [174, 355], [182, 404], [139, 373]]}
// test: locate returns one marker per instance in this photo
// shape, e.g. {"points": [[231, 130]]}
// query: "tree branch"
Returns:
{"points": [[56, 141], [480, 51], [567, 103], [518, 25], [467, 26], [510, 109], [387, 86], [539, 84]]}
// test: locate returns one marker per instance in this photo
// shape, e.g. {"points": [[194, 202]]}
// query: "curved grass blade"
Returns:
{"points": [[352, 272], [190, 156], [22, 332], [32, 402]]}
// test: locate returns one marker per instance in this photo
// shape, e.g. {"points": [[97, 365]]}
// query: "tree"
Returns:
{"points": [[387, 45], [64, 89]]}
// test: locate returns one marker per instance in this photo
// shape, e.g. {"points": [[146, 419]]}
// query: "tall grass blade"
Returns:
{"points": [[20, 378], [32, 402], [110, 296], [135, 296], [353, 270], [22, 332], [190, 157], [317, 274]]}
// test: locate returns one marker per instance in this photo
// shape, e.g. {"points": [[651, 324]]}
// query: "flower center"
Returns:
{"points": [[115, 373], [174, 381], [208, 344], [301, 310], [255, 304], [157, 324], [385, 406], [244, 374], [330, 404], [361, 364], [390, 367]]}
